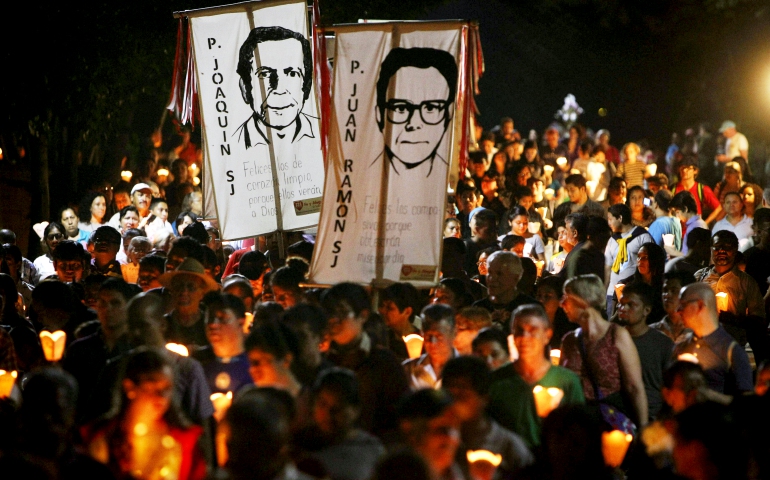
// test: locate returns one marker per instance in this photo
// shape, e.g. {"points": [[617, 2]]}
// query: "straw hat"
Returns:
{"points": [[189, 266]]}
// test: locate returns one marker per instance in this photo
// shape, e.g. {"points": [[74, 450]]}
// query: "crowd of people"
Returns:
{"points": [[584, 289]]}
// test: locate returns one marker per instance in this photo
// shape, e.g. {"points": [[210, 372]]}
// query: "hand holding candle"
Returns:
{"points": [[614, 447], [546, 399], [722, 301], [413, 345], [222, 402]]}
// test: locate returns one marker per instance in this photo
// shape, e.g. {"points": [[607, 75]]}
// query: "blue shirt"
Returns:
{"points": [[663, 225], [227, 375]]}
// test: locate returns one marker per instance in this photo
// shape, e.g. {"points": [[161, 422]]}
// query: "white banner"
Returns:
{"points": [[390, 146], [259, 116]]}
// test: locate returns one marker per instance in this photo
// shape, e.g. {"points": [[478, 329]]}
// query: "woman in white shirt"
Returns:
{"points": [[52, 235], [518, 219]]}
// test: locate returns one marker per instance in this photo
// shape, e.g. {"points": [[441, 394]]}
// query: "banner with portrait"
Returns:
{"points": [[260, 130], [392, 140]]}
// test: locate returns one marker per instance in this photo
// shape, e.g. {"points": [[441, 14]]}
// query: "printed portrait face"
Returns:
{"points": [[416, 113], [279, 73]]}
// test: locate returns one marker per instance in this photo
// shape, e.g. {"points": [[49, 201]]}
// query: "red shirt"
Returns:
{"points": [[709, 199]]}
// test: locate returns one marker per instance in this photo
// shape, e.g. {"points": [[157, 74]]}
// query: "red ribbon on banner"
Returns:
{"points": [[322, 77], [183, 99]]}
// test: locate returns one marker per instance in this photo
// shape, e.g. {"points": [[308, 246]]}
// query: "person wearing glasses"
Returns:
{"points": [[415, 92], [52, 235], [724, 362], [743, 316]]}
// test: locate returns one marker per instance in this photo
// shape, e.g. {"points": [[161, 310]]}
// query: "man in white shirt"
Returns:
{"points": [[736, 146]]}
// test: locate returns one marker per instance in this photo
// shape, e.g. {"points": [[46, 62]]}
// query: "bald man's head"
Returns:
{"points": [[698, 307]]}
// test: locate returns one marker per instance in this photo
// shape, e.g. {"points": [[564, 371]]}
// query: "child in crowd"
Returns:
{"points": [[158, 225]]}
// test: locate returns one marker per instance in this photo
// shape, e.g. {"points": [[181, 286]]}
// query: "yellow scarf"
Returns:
{"points": [[622, 256]]}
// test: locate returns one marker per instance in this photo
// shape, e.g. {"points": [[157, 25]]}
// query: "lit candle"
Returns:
{"points": [[722, 301], [652, 169], [484, 456], [533, 228], [178, 349], [688, 357], [163, 172], [561, 161], [53, 344], [7, 379], [555, 356], [539, 264], [248, 323], [126, 175], [548, 169], [542, 211], [619, 290], [546, 399], [614, 447], [483, 464], [196, 181], [194, 170], [668, 239], [514, 352], [549, 193], [222, 402], [413, 345], [574, 171]]}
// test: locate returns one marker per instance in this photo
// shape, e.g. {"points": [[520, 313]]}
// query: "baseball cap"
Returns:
{"points": [[140, 186], [726, 124]]}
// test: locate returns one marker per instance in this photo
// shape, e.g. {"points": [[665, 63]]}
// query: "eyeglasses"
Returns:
{"points": [[432, 112], [55, 236]]}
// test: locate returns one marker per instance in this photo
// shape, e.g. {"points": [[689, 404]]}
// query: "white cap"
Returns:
{"points": [[140, 186]]}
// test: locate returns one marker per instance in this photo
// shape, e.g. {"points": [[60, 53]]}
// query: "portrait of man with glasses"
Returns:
{"points": [[415, 96]]}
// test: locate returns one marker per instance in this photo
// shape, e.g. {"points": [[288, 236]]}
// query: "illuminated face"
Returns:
{"points": [[493, 353], [265, 369], [576, 194], [571, 234], [573, 306], [631, 310], [563, 237], [417, 113], [141, 200], [53, 238], [281, 76], [530, 154], [482, 264], [70, 222], [527, 202], [452, 229], [748, 196], [287, 298], [98, 208], [733, 205], [151, 396], [223, 326], [69, 270], [122, 199], [615, 223], [520, 225], [160, 210], [439, 338], [502, 276], [643, 261], [636, 201], [530, 335], [129, 220], [723, 252]]}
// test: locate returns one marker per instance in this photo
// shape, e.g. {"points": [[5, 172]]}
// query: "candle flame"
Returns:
{"points": [[484, 456], [178, 349]]}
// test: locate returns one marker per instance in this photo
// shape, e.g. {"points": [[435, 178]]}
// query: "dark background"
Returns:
{"points": [[83, 87]]}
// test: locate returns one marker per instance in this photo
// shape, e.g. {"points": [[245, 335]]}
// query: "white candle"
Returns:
{"points": [[548, 169], [561, 161], [722, 298], [619, 290], [53, 344], [614, 447], [546, 399], [413, 345], [249, 321], [652, 169], [668, 239], [555, 356], [688, 357], [474, 456], [222, 402], [178, 349]]}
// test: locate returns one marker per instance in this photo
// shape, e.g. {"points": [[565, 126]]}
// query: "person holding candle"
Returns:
{"points": [[518, 220], [147, 435], [398, 306], [744, 317], [579, 200], [603, 354], [641, 214], [468, 380], [665, 223], [724, 362], [381, 376], [511, 400], [438, 326], [225, 362]]}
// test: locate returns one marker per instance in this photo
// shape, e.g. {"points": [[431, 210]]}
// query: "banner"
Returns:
{"points": [[392, 140], [261, 138]]}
